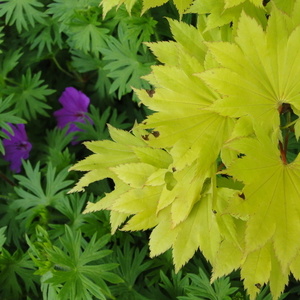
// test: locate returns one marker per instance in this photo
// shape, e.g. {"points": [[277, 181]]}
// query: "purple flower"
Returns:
{"points": [[75, 106], [16, 146]]}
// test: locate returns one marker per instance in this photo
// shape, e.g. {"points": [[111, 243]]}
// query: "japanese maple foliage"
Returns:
{"points": [[211, 168]]}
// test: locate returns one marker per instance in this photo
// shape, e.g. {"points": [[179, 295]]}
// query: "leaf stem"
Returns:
{"points": [[7, 179], [60, 67], [289, 124], [282, 153]]}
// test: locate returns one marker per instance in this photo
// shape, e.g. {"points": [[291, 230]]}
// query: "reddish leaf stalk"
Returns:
{"points": [[283, 153]]}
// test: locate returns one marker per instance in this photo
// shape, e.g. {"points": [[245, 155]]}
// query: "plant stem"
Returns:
{"points": [[7, 179], [60, 67], [282, 153]]}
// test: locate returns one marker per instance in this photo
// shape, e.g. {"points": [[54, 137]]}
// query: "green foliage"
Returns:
{"points": [[78, 272], [29, 95], [1, 37], [201, 288], [127, 62], [44, 36], [55, 150], [8, 115], [36, 194], [16, 272], [175, 285], [2, 237], [74, 269], [98, 129], [86, 35], [132, 263], [22, 13], [9, 61], [211, 161]]}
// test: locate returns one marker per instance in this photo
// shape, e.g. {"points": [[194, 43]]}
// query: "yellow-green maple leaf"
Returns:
{"points": [[221, 12], [271, 192], [182, 5], [260, 267], [182, 101], [152, 3], [258, 77], [199, 230], [107, 154], [142, 204], [107, 5], [231, 3]]}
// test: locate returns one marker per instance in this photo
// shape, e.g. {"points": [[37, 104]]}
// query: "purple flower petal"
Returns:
{"points": [[74, 100], [16, 146], [75, 106]]}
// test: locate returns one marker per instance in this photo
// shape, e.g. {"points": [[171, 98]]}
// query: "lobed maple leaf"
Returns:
{"points": [[249, 72], [222, 12], [270, 203], [191, 124], [217, 100], [181, 5]]}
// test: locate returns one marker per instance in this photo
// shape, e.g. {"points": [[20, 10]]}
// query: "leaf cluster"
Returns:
{"points": [[210, 164], [224, 107]]}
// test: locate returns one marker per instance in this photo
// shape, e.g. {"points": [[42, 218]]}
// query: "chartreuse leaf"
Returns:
{"points": [[147, 4], [134, 174], [150, 4], [107, 5], [125, 138], [172, 188], [249, 72], [181, 5], [184, 184], [188, 50], [295, 12], [297, 128], [222, 12], [259, 267], [129, 162], [231, 3], [188, 236], [142, 203], [285, 6], [107, 154], [256, 269], [270, 193], [188, 130]]}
